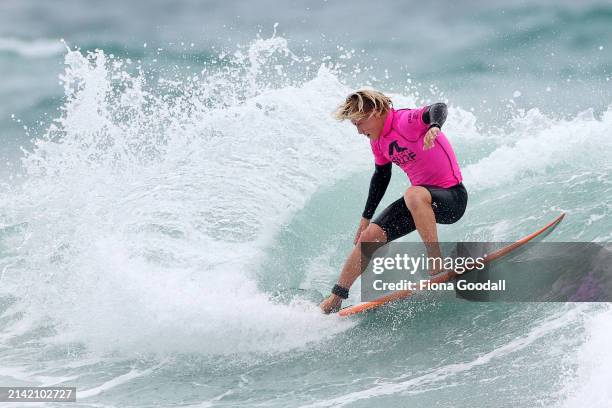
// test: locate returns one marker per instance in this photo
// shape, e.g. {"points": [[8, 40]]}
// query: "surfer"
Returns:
{"points": [[413, 140]]}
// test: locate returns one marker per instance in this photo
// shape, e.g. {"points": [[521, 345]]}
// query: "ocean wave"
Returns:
{"points": [[149, 203], [156, 195], [537, 143]]}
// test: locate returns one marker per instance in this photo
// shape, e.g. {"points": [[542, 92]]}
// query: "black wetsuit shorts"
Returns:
{"points": [[448, 206]]}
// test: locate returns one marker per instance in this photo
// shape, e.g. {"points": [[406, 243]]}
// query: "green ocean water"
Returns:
{"points": [[169, 168]]}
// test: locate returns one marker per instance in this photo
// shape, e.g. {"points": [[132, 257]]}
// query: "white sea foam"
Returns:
{"points": [[538, 144], [148, 209], [590, 386]]}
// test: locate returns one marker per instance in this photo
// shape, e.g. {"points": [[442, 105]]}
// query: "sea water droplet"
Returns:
{"points": [[516, 94]]}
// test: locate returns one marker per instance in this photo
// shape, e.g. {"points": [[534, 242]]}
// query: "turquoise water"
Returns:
{"points": [[168, 170]]}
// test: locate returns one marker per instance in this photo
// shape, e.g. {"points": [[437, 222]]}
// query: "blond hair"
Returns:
{"points": [[363, 104]]}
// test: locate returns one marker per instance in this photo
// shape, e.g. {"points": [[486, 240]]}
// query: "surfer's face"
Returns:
{"points": [[370, 127]]}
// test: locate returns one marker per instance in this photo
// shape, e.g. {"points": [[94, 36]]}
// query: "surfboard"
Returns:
{"points": [[448, 275]]}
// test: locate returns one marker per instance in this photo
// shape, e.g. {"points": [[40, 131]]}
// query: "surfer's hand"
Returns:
{"points": [[331, 304], [430, 136], [363, 224]]}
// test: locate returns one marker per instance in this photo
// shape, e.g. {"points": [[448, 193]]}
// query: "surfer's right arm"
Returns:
{"points": [[378, 186]]}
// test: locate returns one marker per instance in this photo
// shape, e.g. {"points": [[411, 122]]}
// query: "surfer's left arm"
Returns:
{"points": [[434, 116]]}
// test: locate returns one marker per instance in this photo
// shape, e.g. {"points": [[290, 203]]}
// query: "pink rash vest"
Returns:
{"points": [[401, 142]]}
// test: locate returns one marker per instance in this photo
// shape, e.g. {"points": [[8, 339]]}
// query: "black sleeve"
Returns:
{"points": [[378, 186], [435, 114]]}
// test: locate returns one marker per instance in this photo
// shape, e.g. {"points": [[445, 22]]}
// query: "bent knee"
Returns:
{"points": [[373, 233], [416, 196]]}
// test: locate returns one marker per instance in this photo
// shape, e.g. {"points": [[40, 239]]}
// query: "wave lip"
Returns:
{"points": [[159, 204]]}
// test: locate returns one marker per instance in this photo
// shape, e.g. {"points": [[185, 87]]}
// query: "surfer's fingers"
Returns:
{"points": [[428, 141], [432, 134]]}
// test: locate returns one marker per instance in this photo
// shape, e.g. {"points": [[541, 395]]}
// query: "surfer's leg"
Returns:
{"points": [[448, 204], [444, 205], [355, 265], [358, 260], [395, 220], [418, 201]]}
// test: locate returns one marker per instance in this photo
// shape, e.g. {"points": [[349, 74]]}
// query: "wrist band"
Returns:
{"points": [[340, 291], [434, 125]]}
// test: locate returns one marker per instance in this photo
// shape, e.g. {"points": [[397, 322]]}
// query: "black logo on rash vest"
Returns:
{"points": [[400, 155]]}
